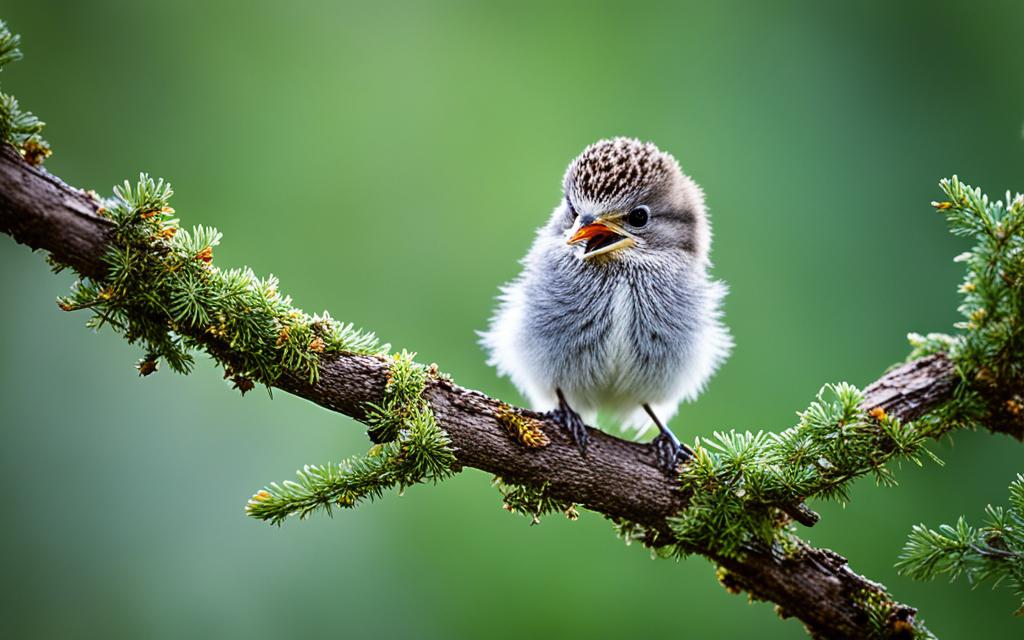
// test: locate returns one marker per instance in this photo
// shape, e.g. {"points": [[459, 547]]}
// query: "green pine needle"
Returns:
{"points": [[19, 128], [163, 291], [533, 502], [739, 480], [420, 451], [993, 552]]}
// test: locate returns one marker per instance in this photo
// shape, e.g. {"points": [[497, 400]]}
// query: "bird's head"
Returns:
{"points": [[628, 200]]}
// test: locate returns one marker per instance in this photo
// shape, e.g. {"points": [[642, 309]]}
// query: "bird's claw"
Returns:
{"points": [[670, 452], [573, 423]]}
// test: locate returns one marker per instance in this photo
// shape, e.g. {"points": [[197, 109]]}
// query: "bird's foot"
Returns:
{"points": [[670, 452], [573, 423]]}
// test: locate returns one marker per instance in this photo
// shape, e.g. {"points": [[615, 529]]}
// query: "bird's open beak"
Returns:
{"points": [[602, 236]]}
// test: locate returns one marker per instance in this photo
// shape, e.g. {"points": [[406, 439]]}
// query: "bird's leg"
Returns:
{"points": [[671, 453], [573, 423]]}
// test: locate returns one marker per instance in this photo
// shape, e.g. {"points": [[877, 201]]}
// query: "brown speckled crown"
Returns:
{"points": [[613, 171]]}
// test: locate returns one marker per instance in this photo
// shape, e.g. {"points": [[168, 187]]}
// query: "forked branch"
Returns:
{"points": [[617, 478]]}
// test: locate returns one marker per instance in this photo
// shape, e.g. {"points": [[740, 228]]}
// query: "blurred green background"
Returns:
{"points": [[390, 163]]}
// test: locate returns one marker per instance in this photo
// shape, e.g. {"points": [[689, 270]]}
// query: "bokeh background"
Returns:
{"points": [[390, 163]]}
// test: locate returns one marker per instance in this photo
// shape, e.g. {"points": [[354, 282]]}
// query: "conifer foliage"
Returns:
{"points": [[19, 128], [990, 355], [162, 290], [993, 551]]}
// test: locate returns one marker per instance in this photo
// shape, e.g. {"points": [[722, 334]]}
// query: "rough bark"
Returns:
{"points": [[38, 209], [617, 478]]}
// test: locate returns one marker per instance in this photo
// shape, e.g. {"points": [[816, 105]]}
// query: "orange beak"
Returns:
{"points": [[594, 230], [601, 238]]}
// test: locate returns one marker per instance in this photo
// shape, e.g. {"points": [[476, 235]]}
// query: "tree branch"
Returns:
{"points": [[617, 478]]}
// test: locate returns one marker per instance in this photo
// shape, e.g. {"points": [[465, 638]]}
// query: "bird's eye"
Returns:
{"points": [[572, 209], [639, 216]]}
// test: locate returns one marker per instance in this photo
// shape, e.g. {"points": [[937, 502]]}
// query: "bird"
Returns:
{"points": [[615, 310]]}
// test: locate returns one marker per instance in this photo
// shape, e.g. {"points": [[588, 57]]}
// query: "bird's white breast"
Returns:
{"points": [[620, 347], [611, 344]]}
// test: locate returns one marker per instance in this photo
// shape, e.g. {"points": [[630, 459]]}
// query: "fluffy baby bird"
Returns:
{"points": [[614, 310]]}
